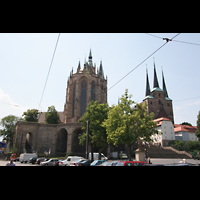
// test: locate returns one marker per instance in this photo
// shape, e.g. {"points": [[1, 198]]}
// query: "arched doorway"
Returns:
{"points": [[61, 143], [28, 144], [77, 149]]}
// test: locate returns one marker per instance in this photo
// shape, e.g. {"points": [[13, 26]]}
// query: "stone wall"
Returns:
{"points": [[44, 136]]}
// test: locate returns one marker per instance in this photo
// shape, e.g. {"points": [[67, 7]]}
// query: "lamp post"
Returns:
{"points": [[87, 139]]}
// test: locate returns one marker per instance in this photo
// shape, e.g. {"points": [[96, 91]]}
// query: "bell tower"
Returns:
{"points": [[157, 99], [83, 86]]}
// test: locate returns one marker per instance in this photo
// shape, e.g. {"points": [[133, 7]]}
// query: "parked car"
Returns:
{"points": [[50, 162], [16, 159], [109, 163], [130, 163], [69, 160], [33, 160], [41, 160], [57, 163], [97, 162], [77, 161], [84, 163]]}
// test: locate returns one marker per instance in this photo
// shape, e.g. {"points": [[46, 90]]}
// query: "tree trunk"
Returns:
{"points": [[129, 153]]}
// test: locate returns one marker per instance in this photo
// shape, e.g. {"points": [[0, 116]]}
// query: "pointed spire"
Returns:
{"points": [[148, 92], [90, 59], [164, 86], [90, 54], [155, 81], [101, 74], [79, 67]]}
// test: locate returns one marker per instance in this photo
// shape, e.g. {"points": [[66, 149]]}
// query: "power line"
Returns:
{"points": [[142, 61], [49, 71], [173, 40], [186, 42], [187, 99]]}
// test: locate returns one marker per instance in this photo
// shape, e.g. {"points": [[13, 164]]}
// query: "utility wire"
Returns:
{"points": [[143, 61], [173, 40], [186, 99], [49, 71]]}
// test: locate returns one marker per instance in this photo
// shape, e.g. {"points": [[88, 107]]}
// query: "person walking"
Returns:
{"points": [[11, 163], [149, 160]]}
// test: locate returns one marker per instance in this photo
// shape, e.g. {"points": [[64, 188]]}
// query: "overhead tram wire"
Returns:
{"points": [[173, 40], [143, 61], [49, 70]]}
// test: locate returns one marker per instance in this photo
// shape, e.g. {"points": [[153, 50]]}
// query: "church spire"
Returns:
{"points": [[79, 67], [165, 88], [155, 81], [90, 59], [147, 86], [101, 74]]}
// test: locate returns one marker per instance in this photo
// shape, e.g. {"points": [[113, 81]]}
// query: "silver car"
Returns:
{"points": [[49, 162]]}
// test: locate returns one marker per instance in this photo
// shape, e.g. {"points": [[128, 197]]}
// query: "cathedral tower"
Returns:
{"points": [[83, 86], [157, 99]]}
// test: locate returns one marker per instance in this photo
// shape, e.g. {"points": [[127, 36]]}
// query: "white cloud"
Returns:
{"points": [[9, 107]]}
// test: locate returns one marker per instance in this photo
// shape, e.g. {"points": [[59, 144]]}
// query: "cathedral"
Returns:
{"points": [[84, 84], [87, 83], [157, 99], [82, 87]]}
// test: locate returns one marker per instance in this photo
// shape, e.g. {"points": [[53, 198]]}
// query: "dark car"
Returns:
{"points": [[84, 163], [41, 160], [33, 160]]}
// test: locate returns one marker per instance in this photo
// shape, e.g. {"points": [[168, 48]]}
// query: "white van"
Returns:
{"points": [[96, 156], [69, 160], [25, 157]]}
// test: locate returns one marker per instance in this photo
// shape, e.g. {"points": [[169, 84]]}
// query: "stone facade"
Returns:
{"points": [[157, 99], [82, 87]]}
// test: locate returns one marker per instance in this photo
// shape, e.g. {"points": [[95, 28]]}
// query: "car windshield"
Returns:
{"points": [[107, 163]]}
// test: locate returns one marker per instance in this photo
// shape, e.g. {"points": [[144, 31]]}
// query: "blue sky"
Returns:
{"points": [[25, 59]]}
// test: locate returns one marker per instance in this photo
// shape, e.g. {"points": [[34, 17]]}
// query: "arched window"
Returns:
{"points": [[93, 91], [83, 96]]}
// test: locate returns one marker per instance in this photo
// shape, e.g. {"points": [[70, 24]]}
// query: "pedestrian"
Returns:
{"points": [[10, 163], [149, 160]]}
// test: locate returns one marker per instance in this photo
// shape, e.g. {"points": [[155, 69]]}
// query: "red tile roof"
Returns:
{"points": [[179, 127], [160, 120]]}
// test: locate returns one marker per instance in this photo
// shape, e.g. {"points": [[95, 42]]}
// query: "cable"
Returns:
{"points": [[49, 71], [187, 99], [173, 40], [186, 42], [141, 63]]}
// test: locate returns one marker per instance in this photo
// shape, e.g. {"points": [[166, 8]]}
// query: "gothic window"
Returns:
{"points": [[83, 96], [74, 99], [93, 91]]}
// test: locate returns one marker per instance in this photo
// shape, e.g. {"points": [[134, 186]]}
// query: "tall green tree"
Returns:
{"points": [[31, 115], [198, 126], [52, 116], [8, 123], [128, 122], [96, 114]]}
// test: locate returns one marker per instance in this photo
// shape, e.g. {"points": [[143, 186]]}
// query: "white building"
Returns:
{"points": [[166, 127], [185, 132]]}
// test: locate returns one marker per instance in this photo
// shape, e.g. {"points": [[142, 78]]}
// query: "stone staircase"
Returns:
{"points": [[165, 152]]}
